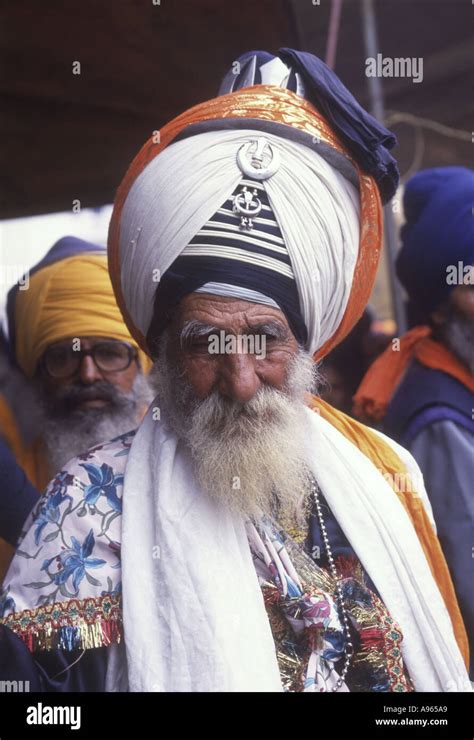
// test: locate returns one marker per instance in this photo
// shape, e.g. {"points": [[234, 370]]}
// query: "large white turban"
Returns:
{"points": [[316, 207]]}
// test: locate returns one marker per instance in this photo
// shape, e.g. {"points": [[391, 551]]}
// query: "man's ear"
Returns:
{"points": [[439, 316], [39, 375]]}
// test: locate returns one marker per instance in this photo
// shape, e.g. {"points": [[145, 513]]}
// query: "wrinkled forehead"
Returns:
{"points": [[228, 313]]}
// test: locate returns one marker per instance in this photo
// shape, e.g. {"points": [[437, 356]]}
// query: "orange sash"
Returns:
{"points": [[384, 375], [385, 458]]}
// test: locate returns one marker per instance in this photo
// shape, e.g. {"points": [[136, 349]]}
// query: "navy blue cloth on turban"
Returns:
{"points": [[439, 232], [367, 140]]}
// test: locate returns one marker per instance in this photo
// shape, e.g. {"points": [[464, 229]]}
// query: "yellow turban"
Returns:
{"points": [[72, 297]]}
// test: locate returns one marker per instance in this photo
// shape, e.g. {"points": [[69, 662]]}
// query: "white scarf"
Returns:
{"points": [[194, 617]]}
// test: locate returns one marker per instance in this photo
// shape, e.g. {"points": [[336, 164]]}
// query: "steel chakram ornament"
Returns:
{"points": [[258, 160]]}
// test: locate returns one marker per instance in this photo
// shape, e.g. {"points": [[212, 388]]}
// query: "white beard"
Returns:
{"points": [[252, 456], [458, 335], [66, 436]]}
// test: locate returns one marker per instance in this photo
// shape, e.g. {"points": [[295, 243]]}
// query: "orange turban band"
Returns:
{"points": [[271, 104]]}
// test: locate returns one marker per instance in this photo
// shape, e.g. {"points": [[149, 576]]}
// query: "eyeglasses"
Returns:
{"points": [[111, 357]]}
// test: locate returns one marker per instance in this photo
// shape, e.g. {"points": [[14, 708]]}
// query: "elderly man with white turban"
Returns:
{"points": [[266, 541]]}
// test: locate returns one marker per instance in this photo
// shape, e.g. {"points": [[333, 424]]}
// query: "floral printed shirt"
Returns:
{"points": [[63, 588]]}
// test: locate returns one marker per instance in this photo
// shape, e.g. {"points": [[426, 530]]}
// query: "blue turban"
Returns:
{"points": [[439, 231]]}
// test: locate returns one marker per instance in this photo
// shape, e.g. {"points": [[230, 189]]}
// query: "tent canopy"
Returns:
{"points": [[68, 137]]}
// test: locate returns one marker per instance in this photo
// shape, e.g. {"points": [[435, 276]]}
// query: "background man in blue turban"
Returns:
{"points": [[423, 385]]}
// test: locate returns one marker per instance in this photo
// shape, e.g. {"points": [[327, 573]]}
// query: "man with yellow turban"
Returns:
{"points": [[265, 542], [68, 338]]}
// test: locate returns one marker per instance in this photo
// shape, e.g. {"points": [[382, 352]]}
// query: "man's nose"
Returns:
{"points": [[88, 371], [238, 379]]}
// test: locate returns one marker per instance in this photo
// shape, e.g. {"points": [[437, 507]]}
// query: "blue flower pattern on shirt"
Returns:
{"points": [[70, 547]]}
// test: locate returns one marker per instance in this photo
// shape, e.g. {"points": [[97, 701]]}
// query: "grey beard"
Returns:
{"points": [[251, 457], [68, 433], [458, 335]]}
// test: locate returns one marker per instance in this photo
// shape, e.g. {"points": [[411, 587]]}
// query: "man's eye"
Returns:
{"points": [[199, 344], [60, 353], [109, 351]]}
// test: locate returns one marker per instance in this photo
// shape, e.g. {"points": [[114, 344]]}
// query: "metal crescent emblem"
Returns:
{"points": [[257, 159]]}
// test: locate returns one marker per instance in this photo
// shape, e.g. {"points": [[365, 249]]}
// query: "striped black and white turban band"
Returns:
{"points": [[227, 259]]}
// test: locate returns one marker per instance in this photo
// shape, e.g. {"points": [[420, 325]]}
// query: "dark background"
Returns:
{"points": [[66, 136]]}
